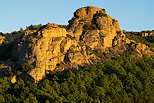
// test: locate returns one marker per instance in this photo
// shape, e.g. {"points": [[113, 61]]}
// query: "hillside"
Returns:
{"points": [[89, 60]]}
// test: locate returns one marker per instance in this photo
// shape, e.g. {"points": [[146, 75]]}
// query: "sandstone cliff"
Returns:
{"points": [[91, 20], [2, 38], [46, 48], [55, 49]]}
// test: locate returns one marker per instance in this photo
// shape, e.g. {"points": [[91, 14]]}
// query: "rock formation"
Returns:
{"points": [[42, 49], [147, 33], [2, 38], [52, 48], [92, 20]]}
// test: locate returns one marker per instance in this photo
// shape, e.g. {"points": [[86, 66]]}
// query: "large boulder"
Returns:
{"points": [[2, 39], [143, 49], [92, 18]]}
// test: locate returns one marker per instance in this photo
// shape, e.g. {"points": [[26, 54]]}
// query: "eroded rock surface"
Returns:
{"points": [[52, 48], [2, 38], [91, 20], [46, 48]]}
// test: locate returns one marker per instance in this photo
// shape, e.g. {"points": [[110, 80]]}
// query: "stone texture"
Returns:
{"points": [[43, 49], [143, 49], [97, 17], [90, 29], [2, 38], [147, 33]]}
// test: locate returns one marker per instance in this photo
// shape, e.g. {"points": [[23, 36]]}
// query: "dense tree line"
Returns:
{"points": [[117, 80]]}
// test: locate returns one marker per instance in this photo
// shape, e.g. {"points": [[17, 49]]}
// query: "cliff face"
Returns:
{"points": [[52, 48], [43, 49], [2, 38], [91, 20]]}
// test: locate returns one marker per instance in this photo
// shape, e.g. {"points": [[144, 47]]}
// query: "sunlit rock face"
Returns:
{"points": [[2, 38], [92, 20], [55, 49]]}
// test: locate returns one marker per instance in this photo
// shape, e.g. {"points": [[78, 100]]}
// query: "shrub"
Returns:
{"points": [[102, 35], [101, 15], [34, 27], [89, 26], [118, 32], [69, 36], [62, 26], [150, 39], [5, 50], [139, 39], [25, 67]]}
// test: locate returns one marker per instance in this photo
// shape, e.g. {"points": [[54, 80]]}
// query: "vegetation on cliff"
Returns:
{"points": [[90, 60], [118, 80], [137, 36]]}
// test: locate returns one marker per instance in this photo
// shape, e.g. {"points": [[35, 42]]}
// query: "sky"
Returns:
{"points": [[133, 15]]}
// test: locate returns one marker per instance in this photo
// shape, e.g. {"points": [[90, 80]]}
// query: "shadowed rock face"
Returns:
{"points": [[52, 48]]}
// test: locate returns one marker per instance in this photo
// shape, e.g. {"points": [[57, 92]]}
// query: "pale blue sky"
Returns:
{"points": [[133, 15]]}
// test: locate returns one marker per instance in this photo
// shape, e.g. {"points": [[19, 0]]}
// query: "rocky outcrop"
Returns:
{"points": [[90, 27], [39, 48], [52, 48], [52, 30], [2, 38], [44, 49], [147, 33], [143, 49], [92, 18], [13, 79]]}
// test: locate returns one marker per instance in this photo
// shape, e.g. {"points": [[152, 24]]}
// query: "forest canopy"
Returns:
{"points": [[118, 80]]}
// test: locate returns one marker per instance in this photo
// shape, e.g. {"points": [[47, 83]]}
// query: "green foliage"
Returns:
{"points": [[34, 27], [150, 39], [139, 39], [5, 50], [21, 30], [62, 26], [102, 35], [1, 33], [101, 15], [14, 32], [118, 80], [25, 67], [71, 51], [118, 32], [89, 26], [71, 37]]}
